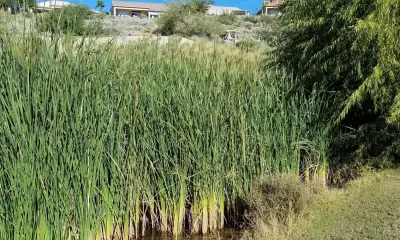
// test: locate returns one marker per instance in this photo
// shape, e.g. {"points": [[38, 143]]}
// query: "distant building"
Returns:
{"points": [[270, 7], [132, 9], [219, 10], [50, 5], [154, 10]]}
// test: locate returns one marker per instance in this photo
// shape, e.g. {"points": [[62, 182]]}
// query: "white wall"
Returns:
{"points": [[220, 11], [217, 11]]}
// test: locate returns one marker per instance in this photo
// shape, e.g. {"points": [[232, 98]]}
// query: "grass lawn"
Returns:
{"points": [[368, 208]]}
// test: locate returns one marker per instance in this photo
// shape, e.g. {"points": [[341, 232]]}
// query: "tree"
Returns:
{"points": [[169, 20], [197, 6], [317, 39], [381, 28], [350, 50], [349, 47], [100, 4]]}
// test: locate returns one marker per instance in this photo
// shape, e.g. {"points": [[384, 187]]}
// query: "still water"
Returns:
{"points": [[227, 234]]}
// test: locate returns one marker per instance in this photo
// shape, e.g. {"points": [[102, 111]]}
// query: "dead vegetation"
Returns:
{"points": [[275, 203]]}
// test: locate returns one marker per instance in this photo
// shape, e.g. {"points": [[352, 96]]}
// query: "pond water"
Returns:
{"points": [[227, 234]]}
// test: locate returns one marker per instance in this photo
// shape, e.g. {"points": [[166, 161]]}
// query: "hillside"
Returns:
{"points": [[255, 28]]}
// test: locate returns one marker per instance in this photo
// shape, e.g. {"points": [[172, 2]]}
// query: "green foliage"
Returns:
{"points": [[68, 19], [200, 25], [347, 46], [271, 29], [96, 139], [383, 83], [28, 3], [363, 209], [169, 20], [252, 19], [227, 19], [373, 144], [246, 44], [264, 28], [261, 19], [5, 3], [100, 4], [350, 49], [189, 19], [247, 25], [319, 43], [196, 6]]}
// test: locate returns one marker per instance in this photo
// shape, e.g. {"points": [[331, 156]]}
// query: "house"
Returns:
{"points": [[271, 7], [219, 10], [154, 10], [50, 5], [44, 6], [132, 9]]}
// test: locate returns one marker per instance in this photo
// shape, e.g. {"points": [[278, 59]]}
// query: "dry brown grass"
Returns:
{"points": [[275, 204]]}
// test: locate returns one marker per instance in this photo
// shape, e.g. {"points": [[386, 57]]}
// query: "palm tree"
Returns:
{"points": [[100, 4]]}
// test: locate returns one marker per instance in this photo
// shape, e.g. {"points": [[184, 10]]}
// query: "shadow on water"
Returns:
{"points": [[227, 234]]}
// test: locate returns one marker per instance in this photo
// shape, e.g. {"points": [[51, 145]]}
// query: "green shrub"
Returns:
{"points": [[264, 28], [260, 19], [252, 19], [189, 19], [246, 44], [374, 144], [247, 25], [68, 19], [200, 25], [227, 19], [168, 23], [197, 24]]}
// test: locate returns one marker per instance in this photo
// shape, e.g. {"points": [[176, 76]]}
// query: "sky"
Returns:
{"points": [[251, 5]]}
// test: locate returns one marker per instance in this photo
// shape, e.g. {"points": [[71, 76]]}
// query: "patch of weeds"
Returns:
{"points": [[274, 204]]}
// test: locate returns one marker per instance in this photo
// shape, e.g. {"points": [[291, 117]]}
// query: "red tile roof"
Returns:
{"points": [[274, 4]]}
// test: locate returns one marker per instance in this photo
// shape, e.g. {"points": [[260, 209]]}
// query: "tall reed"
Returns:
{"points": [[99, 141]]}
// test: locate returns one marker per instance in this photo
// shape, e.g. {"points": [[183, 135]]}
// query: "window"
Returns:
{"points": [[154, 14], [123, 14], [136, 14], [272, 12]]}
